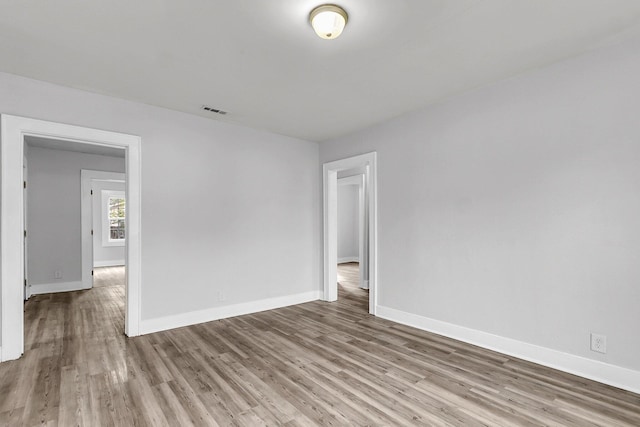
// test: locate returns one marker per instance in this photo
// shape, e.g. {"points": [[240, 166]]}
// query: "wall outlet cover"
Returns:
{"points": [[598, 343]]}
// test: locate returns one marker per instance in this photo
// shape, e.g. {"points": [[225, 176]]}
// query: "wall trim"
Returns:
{"points": [[605, 373], [148, 326], [47, 288], [109, 263], [348, 259]]}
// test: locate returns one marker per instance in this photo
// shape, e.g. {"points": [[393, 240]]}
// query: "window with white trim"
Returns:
{"points": [[113, 218]]}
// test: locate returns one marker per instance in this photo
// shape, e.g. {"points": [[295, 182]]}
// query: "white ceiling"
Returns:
{"points": [[260, 60]]}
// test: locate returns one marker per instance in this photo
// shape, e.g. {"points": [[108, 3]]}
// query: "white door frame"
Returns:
{"points": [[13, 129], [363, 232], [330, 217], [86, 218]]}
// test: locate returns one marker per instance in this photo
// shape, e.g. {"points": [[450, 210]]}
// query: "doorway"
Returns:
{"points": [[14, 130], [98, 250], [365, 163], [353, 235]]}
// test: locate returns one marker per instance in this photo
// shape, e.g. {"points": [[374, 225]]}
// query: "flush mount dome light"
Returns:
{"points": [[328, 21]]}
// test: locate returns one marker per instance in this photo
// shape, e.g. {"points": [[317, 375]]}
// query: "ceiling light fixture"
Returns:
{"points": [[328, 21]]}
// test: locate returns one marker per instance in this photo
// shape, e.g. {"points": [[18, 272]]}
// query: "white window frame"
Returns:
{"points": [[106, 227]]}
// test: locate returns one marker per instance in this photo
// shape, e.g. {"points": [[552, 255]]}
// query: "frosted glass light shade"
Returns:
{"points": [[328, 21]]}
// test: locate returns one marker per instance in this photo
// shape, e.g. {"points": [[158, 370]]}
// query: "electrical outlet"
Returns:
{"points": [[598, 343], [57, 274]]}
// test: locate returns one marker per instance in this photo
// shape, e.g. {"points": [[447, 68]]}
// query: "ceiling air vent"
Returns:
{"points": [[213, 110]]}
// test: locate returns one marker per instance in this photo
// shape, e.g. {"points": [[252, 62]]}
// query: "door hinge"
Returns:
{"points": [[24, 184], [92, 272], [25, 282], [92, 192], [25, 233], [92, 232]]}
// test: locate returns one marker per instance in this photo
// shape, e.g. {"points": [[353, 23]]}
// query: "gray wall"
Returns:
{"points": [[515, 209], [224, 208], [348, 223], [53, 211], [113, 255]]}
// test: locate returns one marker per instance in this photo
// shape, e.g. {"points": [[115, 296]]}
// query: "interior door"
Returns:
{"points": [[24, 202]]}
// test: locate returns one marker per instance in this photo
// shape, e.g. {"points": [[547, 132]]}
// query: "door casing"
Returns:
{"points": [[13, 130], [330, 221]]}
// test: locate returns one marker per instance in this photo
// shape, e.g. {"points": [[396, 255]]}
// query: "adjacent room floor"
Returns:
{"points": [[310, 364], [349, 291]]}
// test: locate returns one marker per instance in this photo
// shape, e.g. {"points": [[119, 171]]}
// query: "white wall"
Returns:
{"points": [[53, 218], [227, 211], [514, 210], [104, 255], [348, 222]]}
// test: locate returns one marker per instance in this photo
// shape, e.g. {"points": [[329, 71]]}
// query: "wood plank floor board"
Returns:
{"points": [[226, 385], [275, 404], [13, 417], [457, 395], [306, 365], [356, 397], [543, 413], [410, 403], [145, 408], [303, 399]]}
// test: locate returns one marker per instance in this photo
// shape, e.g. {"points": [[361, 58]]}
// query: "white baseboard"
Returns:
{"points": [[348, 259], [47, 288], [613, 375], [108, 263], [365, 284], [149, 326]]}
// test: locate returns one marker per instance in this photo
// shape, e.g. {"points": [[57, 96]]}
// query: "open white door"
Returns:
{"points": [[27, 294]]}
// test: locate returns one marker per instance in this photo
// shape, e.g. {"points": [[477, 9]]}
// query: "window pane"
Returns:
{"points": [[116, 217], [116, 207], [116, 229]]}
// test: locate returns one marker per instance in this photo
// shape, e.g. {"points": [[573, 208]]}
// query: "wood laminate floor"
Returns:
{"points": [[310, 364], [108, 276], [349, 274], [349, 288]]}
